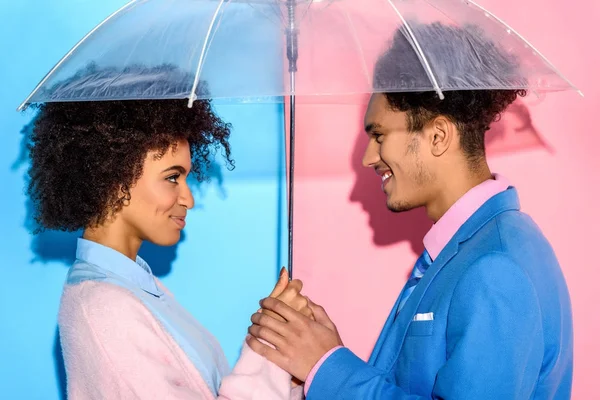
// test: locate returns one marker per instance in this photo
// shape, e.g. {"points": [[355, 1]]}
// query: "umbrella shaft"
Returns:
{"points": [[291, 185], [292, 55]]}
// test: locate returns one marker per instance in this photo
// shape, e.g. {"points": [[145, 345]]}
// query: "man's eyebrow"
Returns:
{"points": [[372, 126]]}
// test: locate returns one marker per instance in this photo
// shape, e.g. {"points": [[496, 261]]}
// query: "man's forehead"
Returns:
{"points": [[380, 115], [370, 118]]}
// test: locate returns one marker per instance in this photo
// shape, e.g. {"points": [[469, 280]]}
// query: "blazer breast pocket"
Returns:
{"points": [[420, 328]]}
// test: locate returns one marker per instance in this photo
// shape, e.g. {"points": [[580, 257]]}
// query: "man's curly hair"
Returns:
{"points": [[85, 156], [462, 57]]}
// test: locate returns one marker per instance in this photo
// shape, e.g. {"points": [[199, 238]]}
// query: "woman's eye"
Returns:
{"points": [[378, 137], [173, 178]]}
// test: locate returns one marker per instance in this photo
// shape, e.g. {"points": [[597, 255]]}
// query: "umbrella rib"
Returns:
{"points": [[305, 11], [66, 56], [203, 54], [263, 13], [417, 46], [277, 10], [527, 42]]}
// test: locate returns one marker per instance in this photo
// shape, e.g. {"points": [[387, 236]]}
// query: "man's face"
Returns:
{"points": [[398, 156]]}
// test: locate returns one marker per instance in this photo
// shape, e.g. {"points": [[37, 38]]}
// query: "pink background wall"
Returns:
{"points": [[354, 255]]}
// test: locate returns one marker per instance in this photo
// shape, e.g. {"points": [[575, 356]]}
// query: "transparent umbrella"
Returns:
{"points": [[267, 50]]}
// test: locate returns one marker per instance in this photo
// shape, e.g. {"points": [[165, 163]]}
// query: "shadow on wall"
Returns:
{"points": [[58, 246], [514, 132]]}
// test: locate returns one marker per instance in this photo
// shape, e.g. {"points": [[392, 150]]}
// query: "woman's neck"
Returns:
{"points": [[116, 236]]}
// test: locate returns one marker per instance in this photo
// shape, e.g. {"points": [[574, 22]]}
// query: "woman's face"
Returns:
{"points": [[161, 197]]}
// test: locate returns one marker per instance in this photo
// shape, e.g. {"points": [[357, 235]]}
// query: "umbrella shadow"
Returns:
{"points": [[57, 246], [514, 132]]}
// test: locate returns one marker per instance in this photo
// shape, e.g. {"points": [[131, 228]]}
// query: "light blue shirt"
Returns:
{"points": [[95, 262]]}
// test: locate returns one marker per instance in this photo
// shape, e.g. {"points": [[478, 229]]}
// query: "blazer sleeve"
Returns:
{"points": [[494, 344]]}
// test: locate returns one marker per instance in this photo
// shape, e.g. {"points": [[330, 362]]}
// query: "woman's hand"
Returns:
{"points": [[289, 292]]}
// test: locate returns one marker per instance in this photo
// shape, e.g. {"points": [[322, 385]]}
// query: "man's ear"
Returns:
{"points": [[442, 133]]}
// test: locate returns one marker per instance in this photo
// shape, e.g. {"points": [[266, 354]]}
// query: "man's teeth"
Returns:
{"points": [[386, 176]]}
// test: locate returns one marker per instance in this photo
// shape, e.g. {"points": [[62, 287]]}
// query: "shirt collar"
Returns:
{"points": [[138, 272], [444, 229]]}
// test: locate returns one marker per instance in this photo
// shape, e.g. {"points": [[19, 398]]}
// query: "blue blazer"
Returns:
{"points": [[501, 328]]}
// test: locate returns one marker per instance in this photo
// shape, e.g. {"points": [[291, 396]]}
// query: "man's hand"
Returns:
{"points": [[321, 316], [299, 341]]}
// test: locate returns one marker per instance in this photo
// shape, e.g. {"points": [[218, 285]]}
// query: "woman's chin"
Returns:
{"points": [[166, 241]]}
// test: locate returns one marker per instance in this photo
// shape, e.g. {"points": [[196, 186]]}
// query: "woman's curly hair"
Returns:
{"points": [[462, 57], [85, 156]]}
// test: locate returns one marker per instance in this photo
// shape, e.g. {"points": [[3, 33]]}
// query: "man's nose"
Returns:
{"points": [[371, 156]]}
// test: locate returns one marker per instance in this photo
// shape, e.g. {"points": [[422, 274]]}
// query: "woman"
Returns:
{"points": [[118, 170]]}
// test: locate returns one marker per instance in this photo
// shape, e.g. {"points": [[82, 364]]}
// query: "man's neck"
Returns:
{"points": [[453, 186]]}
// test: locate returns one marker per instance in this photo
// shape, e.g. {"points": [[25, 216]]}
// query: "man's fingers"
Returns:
{"points": [[279, 307], [272, 314], [266, 351], [321, 315], [265, 320], [266, 334]]}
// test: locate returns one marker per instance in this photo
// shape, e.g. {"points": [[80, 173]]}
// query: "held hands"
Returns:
{"points": [[299, 341], [289, 293]]}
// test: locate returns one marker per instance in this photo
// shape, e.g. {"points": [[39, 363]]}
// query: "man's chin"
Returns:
{"points": [[398, 207]]}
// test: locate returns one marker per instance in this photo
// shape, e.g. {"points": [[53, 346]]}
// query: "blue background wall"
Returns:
{"points": [[232, 248]]}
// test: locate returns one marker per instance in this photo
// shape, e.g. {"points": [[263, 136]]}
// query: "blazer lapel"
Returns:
{"points": [[392, 340], [385, 331]]}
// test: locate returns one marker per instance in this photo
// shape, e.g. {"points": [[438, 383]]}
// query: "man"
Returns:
{"points": [[486, 312]]}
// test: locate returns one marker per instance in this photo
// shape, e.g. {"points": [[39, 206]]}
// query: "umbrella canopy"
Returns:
{"points": [[224, 49], [156, 49]]}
